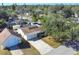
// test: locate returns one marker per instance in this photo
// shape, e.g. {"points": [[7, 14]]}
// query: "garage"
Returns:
{"points": [[32, 35]]}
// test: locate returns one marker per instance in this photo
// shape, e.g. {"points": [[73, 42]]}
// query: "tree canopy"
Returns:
{"points": [[61, 28]]}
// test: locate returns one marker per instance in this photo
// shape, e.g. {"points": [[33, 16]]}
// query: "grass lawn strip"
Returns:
{"points": [[5, 52], [49, 40]]}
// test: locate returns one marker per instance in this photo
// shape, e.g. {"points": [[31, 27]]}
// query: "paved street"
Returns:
{"points": [[62, 50]]}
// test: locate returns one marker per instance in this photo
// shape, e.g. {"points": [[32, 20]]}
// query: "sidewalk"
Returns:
{"points": [[16, 52], [62, 50]]}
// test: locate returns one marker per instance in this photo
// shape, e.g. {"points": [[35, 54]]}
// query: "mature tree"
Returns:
{"points": [[60, 28], [68, 13], [14, 7], [3, 15], [75, 32], [34, 17]]}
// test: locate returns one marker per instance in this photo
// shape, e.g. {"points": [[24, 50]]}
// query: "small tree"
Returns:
{"points": [[35, 16]]}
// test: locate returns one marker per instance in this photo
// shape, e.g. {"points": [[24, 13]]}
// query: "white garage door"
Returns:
{"points": [[32, 35]]}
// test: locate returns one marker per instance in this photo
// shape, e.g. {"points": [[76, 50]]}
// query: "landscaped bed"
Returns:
{"points": [[49, 40], [5, 52]]}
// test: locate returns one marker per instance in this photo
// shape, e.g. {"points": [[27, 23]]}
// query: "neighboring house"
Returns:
{"points": [[26, 17], [22, 11], [7, 39], [20, 16]]}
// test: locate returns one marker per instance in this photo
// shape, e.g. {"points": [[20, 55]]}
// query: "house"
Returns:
{"points": [[7, 39], [29, 32]]}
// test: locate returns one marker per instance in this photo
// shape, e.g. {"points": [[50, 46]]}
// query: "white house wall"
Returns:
{"points": [[30, 36], [22, 34], [27, 36]]}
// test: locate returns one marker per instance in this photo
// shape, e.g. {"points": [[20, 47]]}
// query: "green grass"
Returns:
{"points": [[30, 51]]}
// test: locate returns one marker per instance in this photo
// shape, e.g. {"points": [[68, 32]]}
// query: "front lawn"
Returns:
{"points": [[30, 51], [49, 40]]}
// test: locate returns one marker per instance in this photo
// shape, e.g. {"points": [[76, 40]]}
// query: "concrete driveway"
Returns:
{"points": [[41, 46]]}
